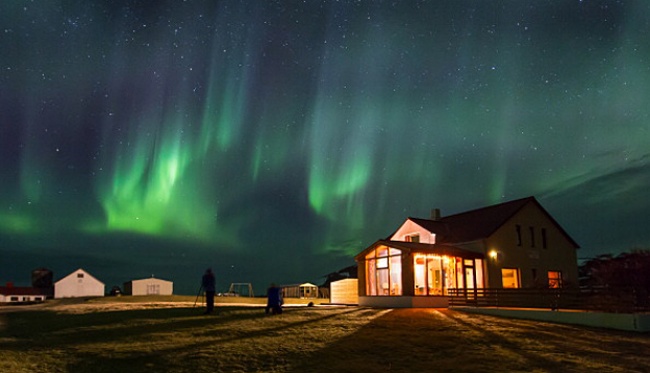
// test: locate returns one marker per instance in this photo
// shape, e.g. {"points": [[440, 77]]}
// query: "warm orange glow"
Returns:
{"points": [[493, 254], [510, 278]]}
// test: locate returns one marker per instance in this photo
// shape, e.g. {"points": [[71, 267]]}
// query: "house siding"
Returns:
{"points": [[142, 287], [73, 286], [408, 228], [560, 253], [344, 291]]}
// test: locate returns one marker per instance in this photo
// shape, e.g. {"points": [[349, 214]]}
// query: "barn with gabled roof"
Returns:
{"points": [[78, 284]]}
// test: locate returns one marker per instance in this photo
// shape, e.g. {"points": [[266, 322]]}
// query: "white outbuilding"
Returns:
{"points": [[13, 294], [78, 284], [306, 290], [149, 286], [345, 291]]}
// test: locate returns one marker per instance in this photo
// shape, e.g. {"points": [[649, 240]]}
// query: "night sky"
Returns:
{"points": [[274, 140]]}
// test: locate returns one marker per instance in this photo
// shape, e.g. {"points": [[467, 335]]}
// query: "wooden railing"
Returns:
{"points": [[618, 300]]}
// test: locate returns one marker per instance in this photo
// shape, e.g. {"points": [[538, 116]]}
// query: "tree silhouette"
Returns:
{"points": [[622, 277]]}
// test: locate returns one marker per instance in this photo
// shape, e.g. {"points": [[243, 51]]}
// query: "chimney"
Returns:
{"points": [[435, 214]]}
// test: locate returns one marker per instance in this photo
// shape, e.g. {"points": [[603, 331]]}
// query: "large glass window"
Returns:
{"points": [[480, 284], [510, 278], [419, 269], [435, 274], [384, 272], [371, 278]]}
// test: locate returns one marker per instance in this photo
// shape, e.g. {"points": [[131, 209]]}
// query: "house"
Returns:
{"points": [[78, 284], [149, 286], [16, 294], [514, 244]]}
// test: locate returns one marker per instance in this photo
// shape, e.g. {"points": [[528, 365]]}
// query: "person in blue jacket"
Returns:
{"points": [[274, 300], [208, 282]]}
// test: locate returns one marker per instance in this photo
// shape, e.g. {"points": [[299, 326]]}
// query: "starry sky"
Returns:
{"points": [[274, 140]]}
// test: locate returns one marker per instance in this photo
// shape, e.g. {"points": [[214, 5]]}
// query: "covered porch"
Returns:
{"points": [[412, 274]]}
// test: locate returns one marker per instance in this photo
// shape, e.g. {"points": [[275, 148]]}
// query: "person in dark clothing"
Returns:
{"points": [[274, 300], [208, 282]]}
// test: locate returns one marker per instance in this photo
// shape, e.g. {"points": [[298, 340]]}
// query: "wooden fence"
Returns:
{"points": [[617, 300]]}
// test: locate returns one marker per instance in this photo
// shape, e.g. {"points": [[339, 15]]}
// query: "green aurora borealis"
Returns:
{"points": [[274, 140]]}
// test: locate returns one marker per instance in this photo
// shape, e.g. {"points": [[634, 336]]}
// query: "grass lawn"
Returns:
{"points": [[169, 334]]}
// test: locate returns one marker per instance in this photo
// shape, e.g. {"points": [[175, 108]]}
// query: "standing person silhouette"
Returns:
{"points": [[274, 300], [208, 283]]}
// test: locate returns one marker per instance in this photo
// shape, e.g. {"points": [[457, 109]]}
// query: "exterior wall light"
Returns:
{"points": [[493, 254]]}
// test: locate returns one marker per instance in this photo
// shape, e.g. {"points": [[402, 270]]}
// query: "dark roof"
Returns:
{"points": [[424, 248], [480, 223], [17, 290]]}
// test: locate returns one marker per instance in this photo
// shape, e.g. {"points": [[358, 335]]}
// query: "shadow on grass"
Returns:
{"points": [[440, 340], [498, 341], [40, 327], [104, 341], [202, 355]]}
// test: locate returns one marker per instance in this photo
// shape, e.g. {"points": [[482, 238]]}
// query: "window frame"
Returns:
{"points": [[516, 277], [518, 231], [384, 272], [554, 282]]}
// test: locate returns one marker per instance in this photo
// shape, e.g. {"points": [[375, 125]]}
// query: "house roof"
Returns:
{"points": [[16, 290], [480, 223], [77, 271], [149, 279], [424, 248]]}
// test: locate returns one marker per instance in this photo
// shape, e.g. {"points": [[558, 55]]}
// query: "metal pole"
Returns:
{"points": [[197, 296]]}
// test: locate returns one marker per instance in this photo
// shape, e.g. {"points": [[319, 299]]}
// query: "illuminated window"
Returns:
{"points": [[415, 237], [435, 275], [460, 282], [510, 278], [554, 279], [420, 274], [371, 279], [384, 272], [479, 274]]}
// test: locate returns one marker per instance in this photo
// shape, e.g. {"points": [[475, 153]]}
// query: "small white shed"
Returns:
{"points": [[78, 284], [306, 290], [149, 286], [345, 291]]}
